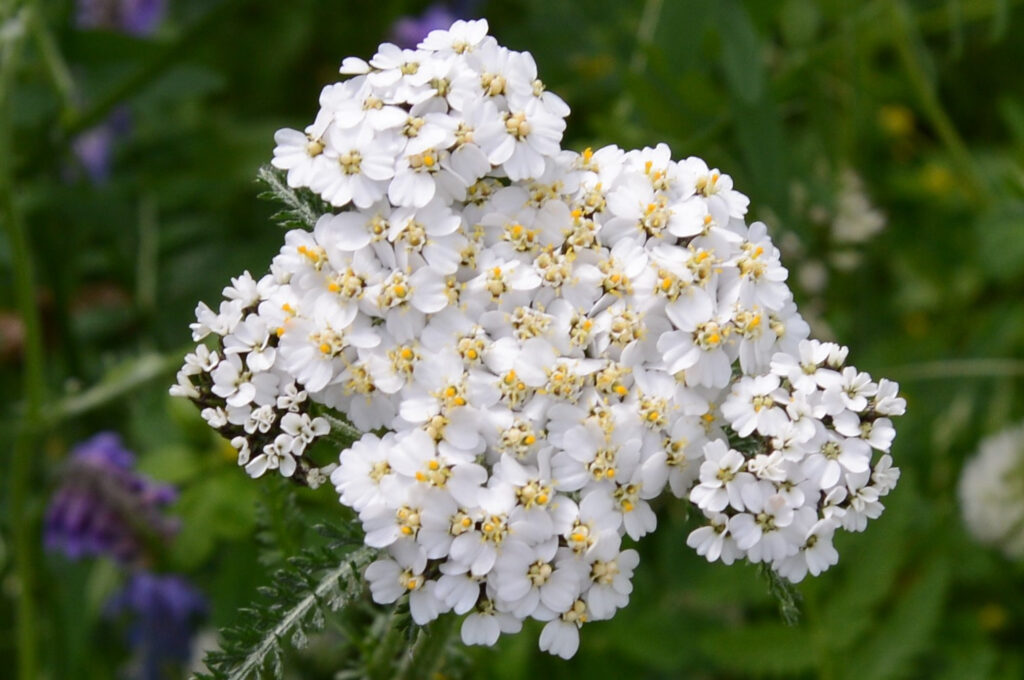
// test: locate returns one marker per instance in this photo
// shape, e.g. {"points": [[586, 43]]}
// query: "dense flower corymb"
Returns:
{"points": [[549, 339]]}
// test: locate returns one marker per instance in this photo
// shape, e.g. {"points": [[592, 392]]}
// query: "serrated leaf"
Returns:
{"points": [[251, 647], [317, 621]]}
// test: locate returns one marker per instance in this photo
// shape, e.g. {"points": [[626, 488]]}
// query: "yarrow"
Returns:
{"points": [[538, 344], [992, 492]]}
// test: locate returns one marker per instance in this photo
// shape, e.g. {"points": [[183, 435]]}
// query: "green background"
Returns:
{"points": [[922, 101]]}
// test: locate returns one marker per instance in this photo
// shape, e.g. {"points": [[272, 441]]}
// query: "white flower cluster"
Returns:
{"points": [[548, 340], [815, 426], [992, 492], [244, 391]]}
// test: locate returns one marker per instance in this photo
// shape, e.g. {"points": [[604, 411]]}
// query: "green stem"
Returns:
{"points": [[146, 276], [431, 649], [905, 31], [23, 522], [638, 61], [958, 368], [381, 664], [56, 66], [339, 426], [132, 375], [937, 18]]}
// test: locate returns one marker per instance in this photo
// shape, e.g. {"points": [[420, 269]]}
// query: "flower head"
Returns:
{"points": [[549, 340]]}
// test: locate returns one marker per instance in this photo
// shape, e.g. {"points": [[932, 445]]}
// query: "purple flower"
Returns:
{"points": [[103, 507], [162, 612], [94, 147], [409, 31], [135, 17], [141, 17]]}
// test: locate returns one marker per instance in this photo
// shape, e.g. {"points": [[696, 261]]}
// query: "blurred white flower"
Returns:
{"points": [[991, 492]]}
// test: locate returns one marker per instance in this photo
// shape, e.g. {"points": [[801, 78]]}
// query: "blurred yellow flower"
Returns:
{"points": [[896, 120], [992, 617], [936, 179]]}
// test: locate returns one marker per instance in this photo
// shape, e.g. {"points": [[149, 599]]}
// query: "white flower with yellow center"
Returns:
{"points": [[356, 103], [716, 188], [392, 63], [390, 579], [754, 405], [610, 583], [462, 37], [721, 478], [701, 349], [302, 153], [520, 139], [364, 478], [486, 624], [526, 578], [357, 165], [561, 635], [277, 455], [714, 541]]}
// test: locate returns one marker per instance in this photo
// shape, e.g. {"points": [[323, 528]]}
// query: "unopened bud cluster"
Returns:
{"points": [[549, 340]]}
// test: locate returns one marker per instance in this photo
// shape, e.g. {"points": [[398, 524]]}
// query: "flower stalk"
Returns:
{"points": [[23, 520]]}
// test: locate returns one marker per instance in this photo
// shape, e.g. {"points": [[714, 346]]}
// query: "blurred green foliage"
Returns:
{"points": [[909, 111]]}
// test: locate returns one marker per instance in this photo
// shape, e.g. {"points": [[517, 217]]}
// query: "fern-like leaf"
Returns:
{"points": [[291, 608], [342, 433], [785, 593], [302, 208]]}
